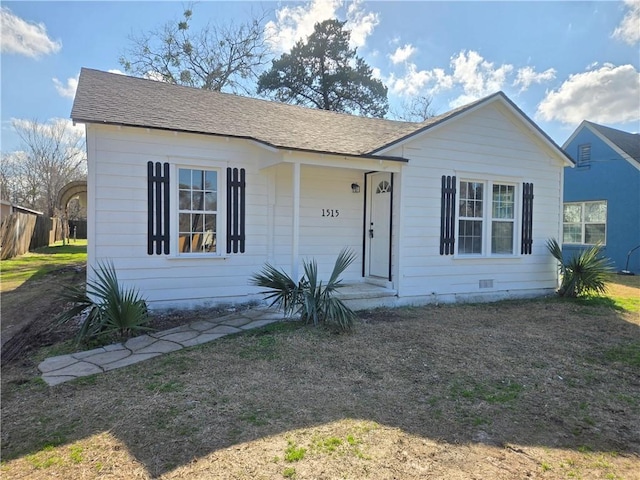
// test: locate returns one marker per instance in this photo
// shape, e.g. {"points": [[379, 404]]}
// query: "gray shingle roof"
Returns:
{"points": [[117, 99], [627, 142], [109, 98], [114, 99]]}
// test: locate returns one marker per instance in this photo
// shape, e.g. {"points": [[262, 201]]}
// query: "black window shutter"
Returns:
{"points": [[448, 215], [527, 218], [158, 208], [235, 210]]}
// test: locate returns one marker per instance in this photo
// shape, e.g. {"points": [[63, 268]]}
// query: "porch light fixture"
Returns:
{"points": [[355, 188]]}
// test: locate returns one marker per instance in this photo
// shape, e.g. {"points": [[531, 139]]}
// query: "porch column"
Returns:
{"points": [[295, 231]]}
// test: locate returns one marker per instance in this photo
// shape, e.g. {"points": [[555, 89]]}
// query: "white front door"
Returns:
{"points": [[379, 224]]}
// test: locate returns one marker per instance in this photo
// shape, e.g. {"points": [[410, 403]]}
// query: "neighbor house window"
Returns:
{"points": [[584, 223], [197, 211], [486, 218]]}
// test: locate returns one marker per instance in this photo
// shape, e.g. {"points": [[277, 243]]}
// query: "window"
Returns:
{"points": [[486, 222], [470, 217], [197, 211], [502, 223], [584, 223], [584, 154]]}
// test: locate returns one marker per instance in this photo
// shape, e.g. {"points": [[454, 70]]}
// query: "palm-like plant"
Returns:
{"points": [[583, 274], [110, 307], [314, 300]]}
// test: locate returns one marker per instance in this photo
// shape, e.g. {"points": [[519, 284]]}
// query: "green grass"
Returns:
{"points": [[624, 291], [294, 453], [498, 392], [30, 266], [629, 354]]}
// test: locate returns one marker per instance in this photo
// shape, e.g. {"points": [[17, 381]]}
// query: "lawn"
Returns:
{"points": [[16, 271], [545, 388]]}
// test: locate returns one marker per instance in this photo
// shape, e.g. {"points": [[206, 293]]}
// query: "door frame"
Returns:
{"points": [[366, 210]]}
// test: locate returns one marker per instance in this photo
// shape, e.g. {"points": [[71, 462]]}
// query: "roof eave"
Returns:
{"points": [[268, 145]]}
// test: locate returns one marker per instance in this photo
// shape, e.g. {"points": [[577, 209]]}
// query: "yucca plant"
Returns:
{"points": [[111, 309], [314, 300], [584, 274]]}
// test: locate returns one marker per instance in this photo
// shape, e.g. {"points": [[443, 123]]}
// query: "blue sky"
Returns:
{"points": [[560, 62]]}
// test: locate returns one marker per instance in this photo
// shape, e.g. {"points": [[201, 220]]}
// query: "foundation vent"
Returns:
{"points": [[486, 284]]}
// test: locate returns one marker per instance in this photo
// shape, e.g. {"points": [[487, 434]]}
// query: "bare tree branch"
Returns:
{"points": [[217, 57], [52, 155]]}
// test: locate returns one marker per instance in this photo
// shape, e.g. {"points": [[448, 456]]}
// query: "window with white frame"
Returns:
{"points": [[486, 218], [584, 223], [198, 213]]}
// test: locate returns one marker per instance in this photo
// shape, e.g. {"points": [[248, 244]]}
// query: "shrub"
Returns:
{"points": [[584, 273], [110, 308], [314, 300]]}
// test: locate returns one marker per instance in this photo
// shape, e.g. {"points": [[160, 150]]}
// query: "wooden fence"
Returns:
{"points": [[21, 232]]}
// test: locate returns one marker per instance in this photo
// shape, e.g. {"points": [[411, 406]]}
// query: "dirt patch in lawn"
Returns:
{"points": [[532, 389]]}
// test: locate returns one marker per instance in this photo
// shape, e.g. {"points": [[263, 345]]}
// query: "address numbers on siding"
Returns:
{"points": [[330, 212]]}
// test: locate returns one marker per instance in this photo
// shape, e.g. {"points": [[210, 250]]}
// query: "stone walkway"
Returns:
{"points": [[63, 368]]}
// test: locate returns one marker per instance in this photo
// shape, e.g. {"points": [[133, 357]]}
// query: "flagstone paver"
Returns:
{"points": [[63, 368]]}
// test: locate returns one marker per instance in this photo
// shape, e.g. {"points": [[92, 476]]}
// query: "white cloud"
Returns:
{"points": [[477, 77], [116, 71], [360, 23], [24, 38], [527, 76], [296, 22], [470, 74], [402, 54], [629, 29], [155, 76], [68, 90], [609, 94]]}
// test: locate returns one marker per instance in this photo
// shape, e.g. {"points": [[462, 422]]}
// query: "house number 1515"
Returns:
{"points": [[330, 212]]}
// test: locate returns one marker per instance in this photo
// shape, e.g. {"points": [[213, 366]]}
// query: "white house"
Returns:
{"points": [[190, 192]]}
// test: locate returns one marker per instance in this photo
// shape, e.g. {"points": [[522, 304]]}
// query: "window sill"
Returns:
{"points": [[487, 257], [199, 256]]}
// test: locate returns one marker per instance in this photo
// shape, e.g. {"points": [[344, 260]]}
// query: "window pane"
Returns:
{"points": [[184, 202], [184, 244], [211, 180], [502, 237], [470, 203], [572, 213], [470, 236], [196, 242], [184, 222], [210, 202], [463, 208], [594, 233], [477, 190], [503, 201], [197, 201], [197, 222], [572, 233], [209, 238], [184, 177], [595, 212], [197, 179], [476, 209]]}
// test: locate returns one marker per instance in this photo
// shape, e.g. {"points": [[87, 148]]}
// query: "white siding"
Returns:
{"points": [[118, 169], [118, 225], [486, 144], [489, 144]]}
